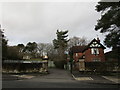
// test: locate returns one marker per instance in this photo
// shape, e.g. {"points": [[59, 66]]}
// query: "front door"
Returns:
{"points": [[81, 65]]}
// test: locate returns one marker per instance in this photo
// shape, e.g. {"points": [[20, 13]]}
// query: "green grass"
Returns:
{"points": [[38, 59]]}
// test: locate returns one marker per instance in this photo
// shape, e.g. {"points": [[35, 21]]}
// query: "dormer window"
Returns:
{"points": [[95, 51]]}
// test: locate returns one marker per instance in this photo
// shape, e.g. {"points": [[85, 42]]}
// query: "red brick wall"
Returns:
{"points": [[76, 58], [89, 57]]}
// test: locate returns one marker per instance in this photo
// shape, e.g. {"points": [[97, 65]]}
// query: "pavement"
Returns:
{"points": [[95, 79]]}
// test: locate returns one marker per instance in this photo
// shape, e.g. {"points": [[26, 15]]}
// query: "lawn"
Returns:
{"points": [[36, 59]]}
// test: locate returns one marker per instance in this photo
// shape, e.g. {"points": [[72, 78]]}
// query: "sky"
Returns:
{"points": [[25, 22]]}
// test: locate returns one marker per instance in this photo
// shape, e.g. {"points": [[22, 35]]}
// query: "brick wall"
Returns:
{"points": [[90, 57], [76, 56]]}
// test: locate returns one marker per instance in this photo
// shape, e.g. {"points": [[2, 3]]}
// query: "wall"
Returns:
{"points": [[76, 58], [89, 57]]}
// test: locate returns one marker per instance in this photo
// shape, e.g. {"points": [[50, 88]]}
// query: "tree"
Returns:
{"points": [[31, 48], [41, 48], [4, 44], [77, 41], [21, 48], [60, 44], [13, 53], [47, 48], [109, 22]]}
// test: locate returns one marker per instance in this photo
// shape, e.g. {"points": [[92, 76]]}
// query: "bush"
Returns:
{"points": [[96, 66], [59, 64], [22, 67]]}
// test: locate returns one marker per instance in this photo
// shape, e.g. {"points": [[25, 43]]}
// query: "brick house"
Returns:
{"points": [[93, 52]]}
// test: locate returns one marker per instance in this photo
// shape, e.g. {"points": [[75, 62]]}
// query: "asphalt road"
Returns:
{"points": [[56, 79]]}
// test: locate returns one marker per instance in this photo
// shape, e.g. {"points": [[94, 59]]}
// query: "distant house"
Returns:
{"points": [[93, 52]]}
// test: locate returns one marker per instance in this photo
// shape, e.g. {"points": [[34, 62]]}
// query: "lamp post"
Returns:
{"points": [[71, 60]]}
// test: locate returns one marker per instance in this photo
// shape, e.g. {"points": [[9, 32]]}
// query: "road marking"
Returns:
{"points": [[116, 80], [24, 76], [82, 78]]}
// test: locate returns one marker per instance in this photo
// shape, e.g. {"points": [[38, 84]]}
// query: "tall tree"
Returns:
{"points": [[4, 44], [109, 22], [21, 48], [61, 43]]}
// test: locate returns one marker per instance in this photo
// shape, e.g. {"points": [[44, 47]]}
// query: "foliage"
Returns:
{"points": [[21, 48], [60, 44], [109, 22], [61, 41], [4, 45], [13, 53], [96, 66], [31, 48], [23, 67], [36, 59], [59, 64]]}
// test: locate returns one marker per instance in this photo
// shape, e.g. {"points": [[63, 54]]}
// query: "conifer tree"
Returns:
{"points": [[61, 43], [3, 44]]}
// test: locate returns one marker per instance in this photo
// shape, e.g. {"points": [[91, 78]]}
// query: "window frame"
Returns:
{"points": [[95, 51]]}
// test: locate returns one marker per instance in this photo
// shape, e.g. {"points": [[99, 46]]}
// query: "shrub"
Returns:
{"points": [[59, 64]]}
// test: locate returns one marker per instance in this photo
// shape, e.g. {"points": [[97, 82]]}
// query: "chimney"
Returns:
{"points": [[98, 39]]}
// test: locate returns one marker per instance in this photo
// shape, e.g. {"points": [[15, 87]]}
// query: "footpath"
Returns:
{"points": [[95, 79]]}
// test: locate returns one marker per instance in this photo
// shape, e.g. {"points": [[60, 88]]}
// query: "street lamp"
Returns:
{"points": [[71, 60]]}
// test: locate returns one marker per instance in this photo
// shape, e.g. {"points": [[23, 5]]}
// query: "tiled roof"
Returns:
{"points": [[81, 49], [77, 49]]}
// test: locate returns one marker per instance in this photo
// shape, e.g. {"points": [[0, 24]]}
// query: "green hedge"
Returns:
{"points": [[101, 66], [21, 67], [96, 66]]}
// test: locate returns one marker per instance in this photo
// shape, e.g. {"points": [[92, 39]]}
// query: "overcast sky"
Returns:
{"points": [[38, 21]]}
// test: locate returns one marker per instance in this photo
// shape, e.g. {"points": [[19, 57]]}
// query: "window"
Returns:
{"points": [[96, 60], [95, 51], [76, 54]]}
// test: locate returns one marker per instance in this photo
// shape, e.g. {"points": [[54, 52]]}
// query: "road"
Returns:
{"points": [[56, 79]]}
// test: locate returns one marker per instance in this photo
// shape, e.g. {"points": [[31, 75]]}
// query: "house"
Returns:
{"points": [[93, 52]]}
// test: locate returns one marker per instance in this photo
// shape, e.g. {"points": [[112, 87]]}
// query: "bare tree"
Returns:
{"points": [[47, 48], [77, 41]]}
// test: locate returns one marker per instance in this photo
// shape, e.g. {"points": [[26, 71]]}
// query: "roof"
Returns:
{"points": [[88, 46], [77, 49], [81, 49]]}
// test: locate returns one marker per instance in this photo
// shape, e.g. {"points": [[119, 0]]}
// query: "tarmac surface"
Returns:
{"points": [[57, 78], [96, 79]]}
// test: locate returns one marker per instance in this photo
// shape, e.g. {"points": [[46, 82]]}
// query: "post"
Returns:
{"points": [[71, 60]]}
